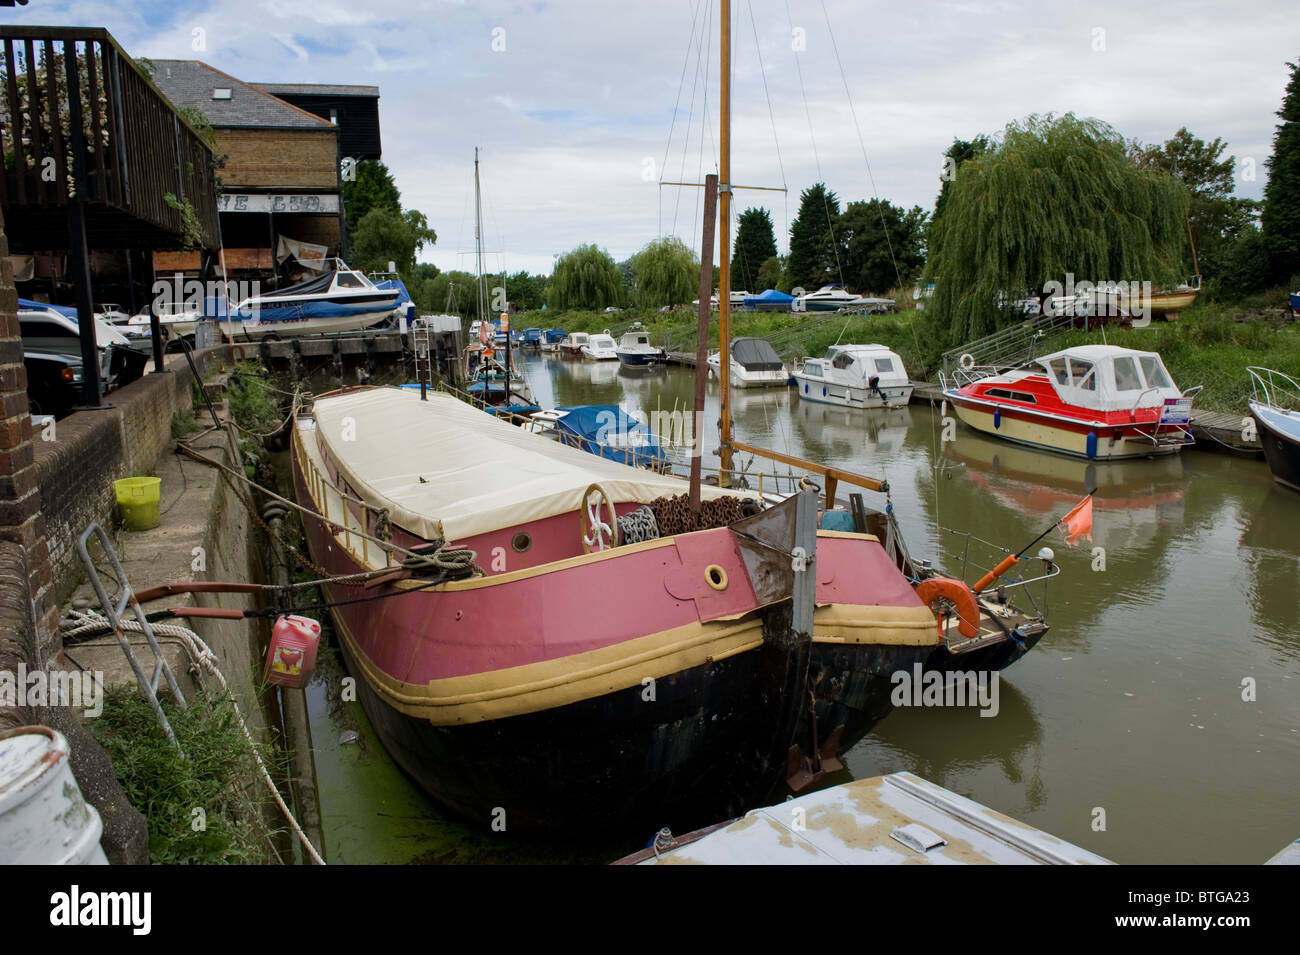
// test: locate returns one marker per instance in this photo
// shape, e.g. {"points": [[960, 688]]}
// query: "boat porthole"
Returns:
{"points": [[823, 392], [805, 389], [716, 576], [521, 542]]}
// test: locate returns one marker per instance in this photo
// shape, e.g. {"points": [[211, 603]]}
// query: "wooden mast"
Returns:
{"points": [[724, 247]]}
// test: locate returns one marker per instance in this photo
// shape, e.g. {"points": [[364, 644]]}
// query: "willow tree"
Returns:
{"points": [[667, 273], [1055, 196], [585, 277]]}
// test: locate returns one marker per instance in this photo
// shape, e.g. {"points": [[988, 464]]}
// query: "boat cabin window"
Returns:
{"points": [[1082, 374], [1154, 372], [1059, 372], [348, 280], [885, 366], [842, 360], [1126, 375], [813, 371], [41, 329], [1024, 396], [643, 339]]}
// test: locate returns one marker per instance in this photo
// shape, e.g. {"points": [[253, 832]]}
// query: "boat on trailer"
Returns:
{"points": [[1100, 402], [855, 376], [587, 668], [1275, 406]]}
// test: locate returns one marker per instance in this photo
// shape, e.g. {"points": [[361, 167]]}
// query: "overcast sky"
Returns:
{"points": [[572, 101]]}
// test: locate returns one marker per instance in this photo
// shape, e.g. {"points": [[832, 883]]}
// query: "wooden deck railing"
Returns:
{"points": [[74, 107]]}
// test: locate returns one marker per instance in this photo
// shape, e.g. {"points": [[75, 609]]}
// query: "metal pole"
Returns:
{"points": [[724, 244], [702, 337], [78, 251]]}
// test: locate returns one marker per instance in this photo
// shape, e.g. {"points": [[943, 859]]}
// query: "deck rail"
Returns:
{"points": [[76, 109]]}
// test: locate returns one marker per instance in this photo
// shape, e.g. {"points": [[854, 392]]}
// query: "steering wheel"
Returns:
{"points": [[598, 535]]}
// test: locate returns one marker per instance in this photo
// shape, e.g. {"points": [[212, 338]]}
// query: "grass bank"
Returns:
{"points": [[199, 806]]}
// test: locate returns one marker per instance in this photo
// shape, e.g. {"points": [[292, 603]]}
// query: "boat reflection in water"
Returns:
{"points": [[836, 434], [1268, 552], [1134, 502]]}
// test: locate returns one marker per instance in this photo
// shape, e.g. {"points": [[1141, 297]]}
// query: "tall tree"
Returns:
{"points": [[1215, 215], [959, 152], [1055, 196], [384, 235], [1280, 221], [770, 275], [883, 245], [373, 188], [585, 277], [667, 273], [755, 244], [813, 254]]}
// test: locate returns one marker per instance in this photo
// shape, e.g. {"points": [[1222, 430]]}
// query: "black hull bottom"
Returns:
{"points": [[851, 687], [1282, 454], [710, 745]]}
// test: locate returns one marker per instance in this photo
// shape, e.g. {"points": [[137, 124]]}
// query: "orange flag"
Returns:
{"points": [[1078, 521]]}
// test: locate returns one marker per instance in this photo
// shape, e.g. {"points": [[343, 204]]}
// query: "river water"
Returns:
{"points": [[1157, 722]]}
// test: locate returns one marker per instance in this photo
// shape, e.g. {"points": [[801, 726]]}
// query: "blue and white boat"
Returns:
{"points": [[1275, 406], [532, 338], [607, 431], [1295, 304], [769, 301], [341, 300], [635, 351]]}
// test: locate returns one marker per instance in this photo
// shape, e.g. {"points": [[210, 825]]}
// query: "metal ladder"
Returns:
{"points": [[148, 685]]}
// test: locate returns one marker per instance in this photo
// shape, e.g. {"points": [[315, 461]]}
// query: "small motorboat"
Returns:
{"points": [[341, 300], [607, 431], [1295, 304], [1100, 402], [552, 338], [532, 338], [600, 347], [1275, 406], [855, 376], [573, 344], [768, 301], [754, 364], [635, 351]]}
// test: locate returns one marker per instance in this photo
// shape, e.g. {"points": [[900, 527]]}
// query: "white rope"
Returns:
{"points": [[202, 657]]}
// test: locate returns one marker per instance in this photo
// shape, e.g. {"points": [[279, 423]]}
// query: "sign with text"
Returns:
{"points": [[247, 202]]}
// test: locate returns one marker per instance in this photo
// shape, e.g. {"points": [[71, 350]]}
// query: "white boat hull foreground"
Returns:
{"points": [[899, 819]]}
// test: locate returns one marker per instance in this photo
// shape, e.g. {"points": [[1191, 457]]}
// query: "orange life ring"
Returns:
{"points": [[961, 596]]}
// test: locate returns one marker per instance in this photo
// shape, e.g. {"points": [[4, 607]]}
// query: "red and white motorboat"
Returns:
{"points": [[1099, 402]]}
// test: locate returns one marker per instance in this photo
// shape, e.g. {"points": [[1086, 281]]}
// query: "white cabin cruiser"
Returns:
{"points": [[600, 347], [831, 298], [342, 300], [635, 350], [754, 364], [855, 376]]}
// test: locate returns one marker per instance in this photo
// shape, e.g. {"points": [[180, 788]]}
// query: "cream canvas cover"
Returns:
{"points": [[449, 471]]}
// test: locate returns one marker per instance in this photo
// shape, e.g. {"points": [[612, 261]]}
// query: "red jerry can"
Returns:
{"points": [[292, 654]]}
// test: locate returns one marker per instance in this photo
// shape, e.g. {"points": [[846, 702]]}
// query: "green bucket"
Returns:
{"points": [[137, 500]]}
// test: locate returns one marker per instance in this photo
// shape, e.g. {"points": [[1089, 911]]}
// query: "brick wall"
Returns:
{"points": [[274, 158], [21, 519]]}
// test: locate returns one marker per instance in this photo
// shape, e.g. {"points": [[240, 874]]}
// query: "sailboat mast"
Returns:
{"points": [[478, 242], [724, 245]]}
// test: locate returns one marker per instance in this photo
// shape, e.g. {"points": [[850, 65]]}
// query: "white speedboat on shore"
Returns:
{"points": [[855, 376], [832, 298], [341, 300]]}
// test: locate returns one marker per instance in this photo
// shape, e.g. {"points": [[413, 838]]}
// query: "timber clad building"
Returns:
{"points": [[283, 156]]}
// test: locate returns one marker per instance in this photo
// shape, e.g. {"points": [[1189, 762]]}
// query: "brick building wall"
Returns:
{"points": [[279, 159], [21, 519]]}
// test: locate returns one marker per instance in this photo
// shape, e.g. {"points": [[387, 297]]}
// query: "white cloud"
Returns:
{"points": [[584, 92]]}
